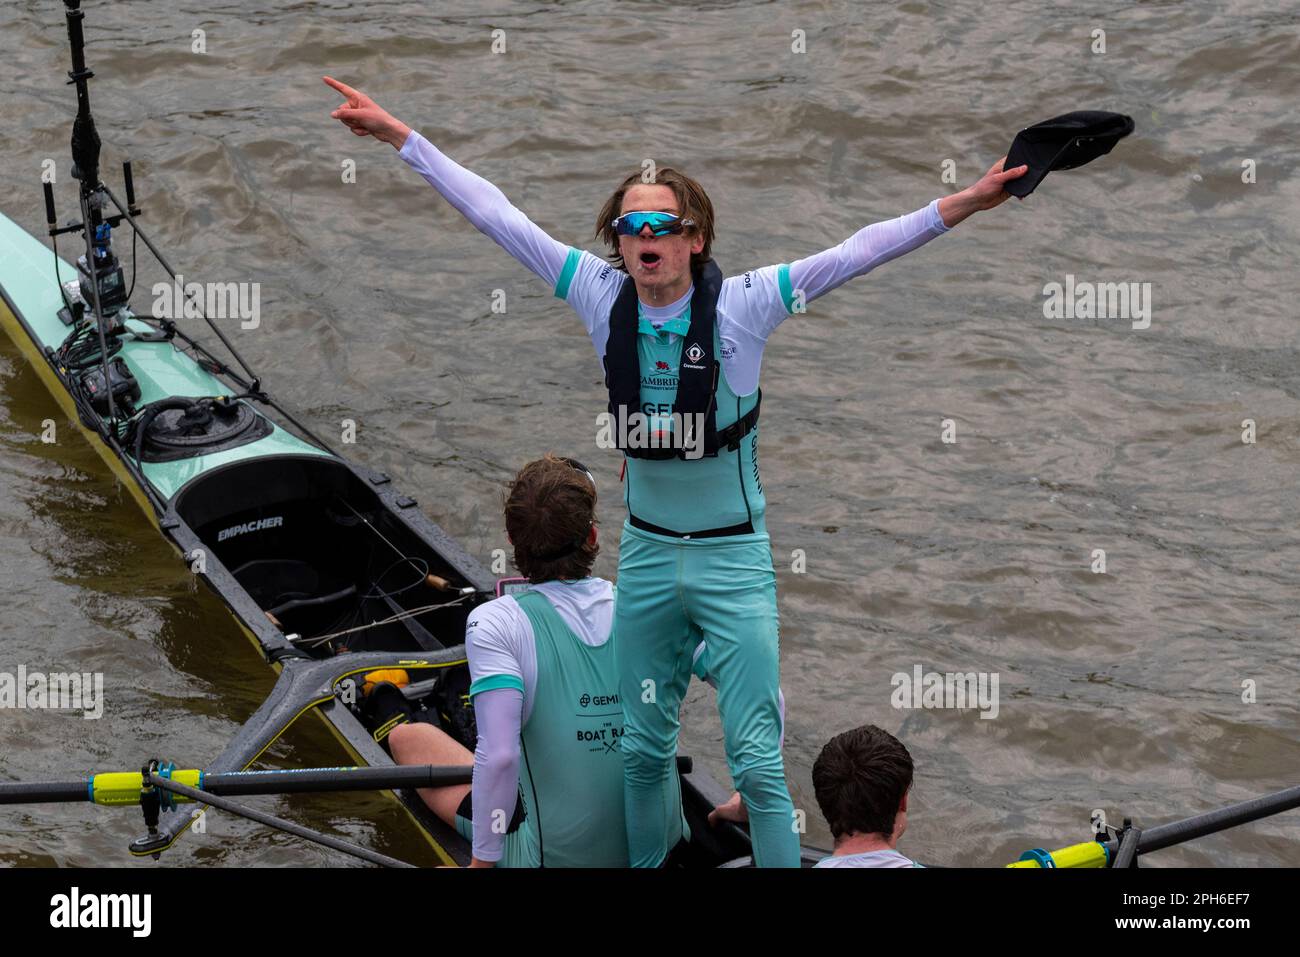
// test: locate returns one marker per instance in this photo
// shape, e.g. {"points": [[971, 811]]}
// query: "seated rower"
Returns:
{"points": [[862, 779], [548, 768], [548, 773]]}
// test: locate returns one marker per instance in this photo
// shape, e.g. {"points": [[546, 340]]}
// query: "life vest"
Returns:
{"points": [[699, 369]]}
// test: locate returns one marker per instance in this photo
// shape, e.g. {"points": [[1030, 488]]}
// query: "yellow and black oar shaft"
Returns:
{"points": [[1122, 849], [124, 788]]}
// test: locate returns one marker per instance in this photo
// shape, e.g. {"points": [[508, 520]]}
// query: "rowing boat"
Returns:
{"points": [[331, 571]]}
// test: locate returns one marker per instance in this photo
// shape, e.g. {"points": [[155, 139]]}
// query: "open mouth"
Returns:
{"points": [[649, 260]]}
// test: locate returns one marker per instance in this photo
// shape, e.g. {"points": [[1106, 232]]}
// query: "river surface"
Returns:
{"points": [[1162, 687]]}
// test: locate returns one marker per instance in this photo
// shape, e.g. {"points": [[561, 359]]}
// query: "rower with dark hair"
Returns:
{"points": [[548, 767], [548, 773], [862, 779]]}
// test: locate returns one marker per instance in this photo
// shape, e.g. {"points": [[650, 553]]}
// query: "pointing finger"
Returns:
{"points": [[340, 87]]}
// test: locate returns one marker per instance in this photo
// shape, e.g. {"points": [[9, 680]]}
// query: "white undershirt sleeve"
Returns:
{"points": [[495, 790], [487, 208], [866, 249], [751, 306], [502, 663], [759, 300]]}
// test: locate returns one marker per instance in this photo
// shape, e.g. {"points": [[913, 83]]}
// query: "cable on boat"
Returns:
{"points": [[95, 299], [432, 580], [80, 350], [419, 564], [145, 416], [165, 328], [343, 625], [396, 551], [401, 616]]}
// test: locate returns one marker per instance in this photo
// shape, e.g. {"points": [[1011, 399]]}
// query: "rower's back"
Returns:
{"points": [[571, 771], [546, 686]]}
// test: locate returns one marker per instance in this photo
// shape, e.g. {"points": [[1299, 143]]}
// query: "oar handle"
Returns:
{"points": [[441, 584]]}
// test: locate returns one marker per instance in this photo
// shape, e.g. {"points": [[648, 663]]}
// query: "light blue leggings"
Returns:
{"points": [[671, 595]]}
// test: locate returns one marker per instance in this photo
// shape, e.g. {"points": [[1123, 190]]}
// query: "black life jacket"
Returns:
{"points": [[697, 382]]}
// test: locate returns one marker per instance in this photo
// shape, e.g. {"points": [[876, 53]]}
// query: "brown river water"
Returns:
{"points": [[894, 549]]}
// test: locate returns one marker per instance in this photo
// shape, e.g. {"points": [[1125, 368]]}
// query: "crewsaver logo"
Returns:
{"points": [[695, 353]]}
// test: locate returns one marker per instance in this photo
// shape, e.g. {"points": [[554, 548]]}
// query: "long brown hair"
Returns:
{"points": [[692, 203], [550, 509]]}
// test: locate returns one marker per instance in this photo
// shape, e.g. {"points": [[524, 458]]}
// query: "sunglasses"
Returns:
{"points": [[579, 467], [661, 224]]}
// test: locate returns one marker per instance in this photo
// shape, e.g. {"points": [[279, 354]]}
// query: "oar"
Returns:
{"points": [[1166, 835], [1132, 841], [120, 788]]}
